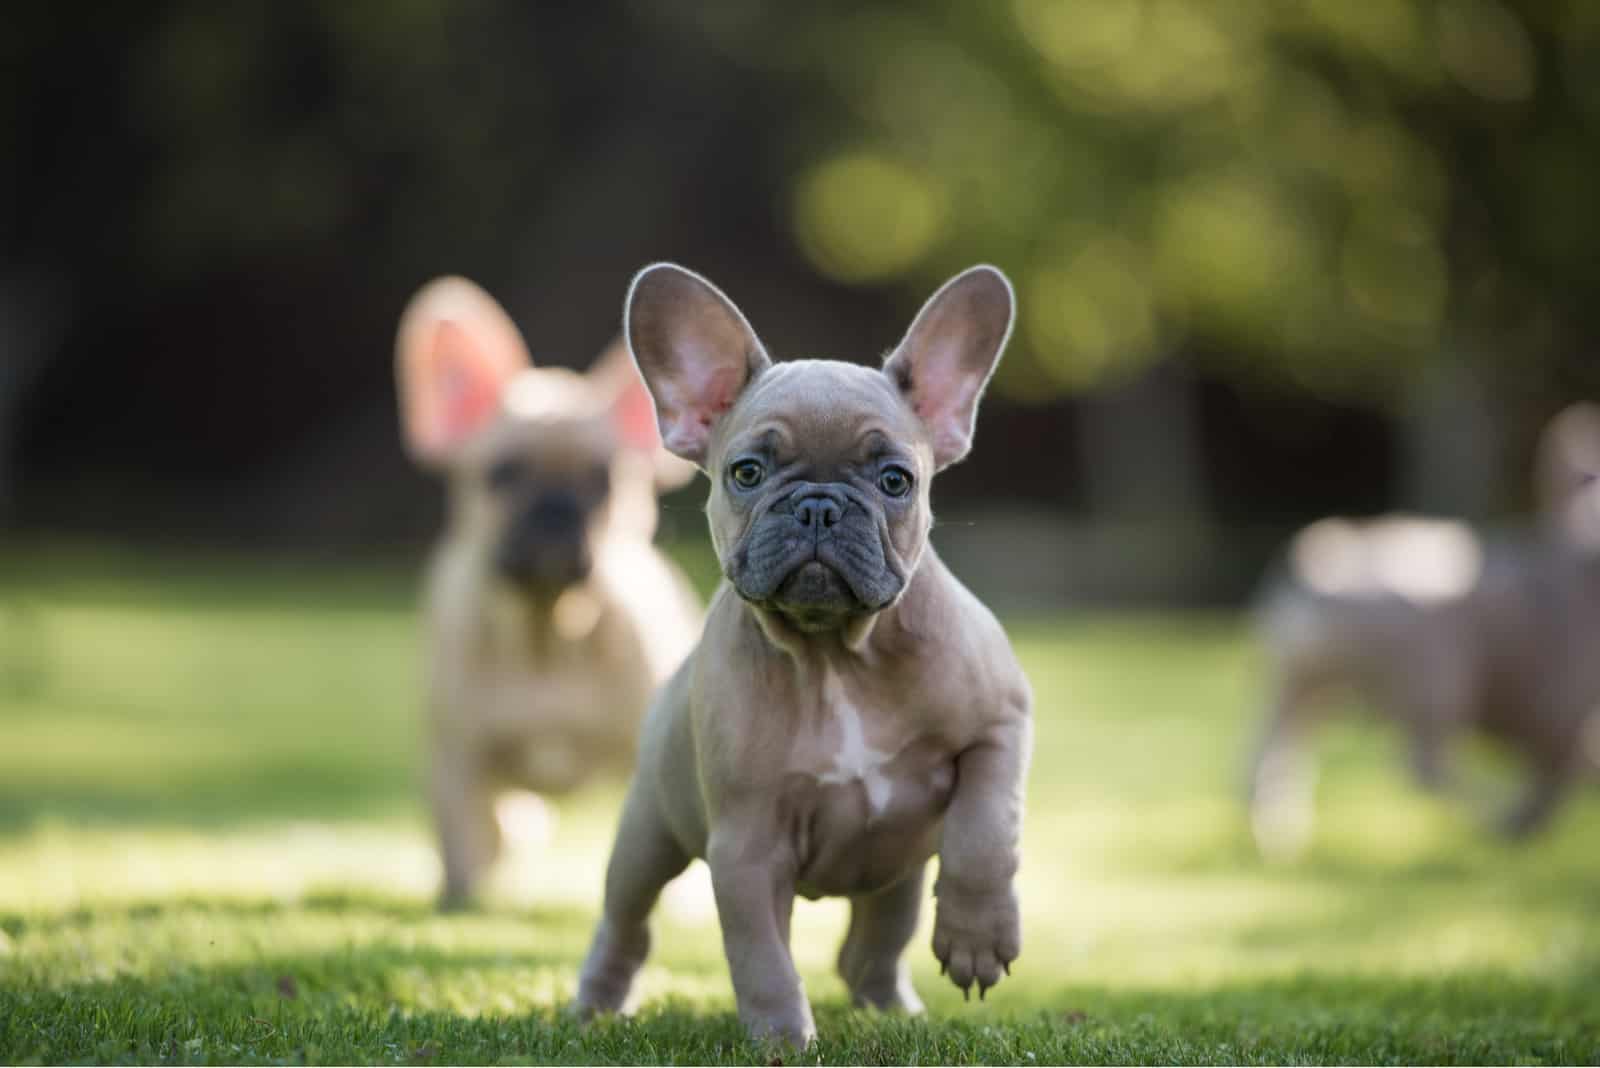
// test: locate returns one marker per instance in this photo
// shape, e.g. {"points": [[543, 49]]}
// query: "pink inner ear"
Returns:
{"points": [[634, 417], [942, 393], [944, 396], [468, 389], [718, 388], [692, 405]]}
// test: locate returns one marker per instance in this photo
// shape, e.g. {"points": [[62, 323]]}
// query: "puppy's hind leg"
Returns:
{"points": [[1299, 637], [1283, 773], [463, 812], [1545, 791], [1433, 701], [872, 958], [644, 859]]}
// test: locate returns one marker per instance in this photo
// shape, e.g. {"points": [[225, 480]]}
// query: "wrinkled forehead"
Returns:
{"points": [[826, 407]]}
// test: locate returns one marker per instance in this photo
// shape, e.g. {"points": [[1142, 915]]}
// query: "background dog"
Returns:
{"points": [[1443, 632], [551, 617]]}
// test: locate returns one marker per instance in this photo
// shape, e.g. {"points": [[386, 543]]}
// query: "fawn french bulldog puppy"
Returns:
{"points": [[551, 616], [1443, 633], [851, 709]]}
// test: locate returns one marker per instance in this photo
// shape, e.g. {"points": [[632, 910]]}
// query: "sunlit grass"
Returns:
{"points": [[212, 848]]}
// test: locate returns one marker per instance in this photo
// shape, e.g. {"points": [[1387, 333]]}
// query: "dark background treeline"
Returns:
{"points": [[1274, 260]]}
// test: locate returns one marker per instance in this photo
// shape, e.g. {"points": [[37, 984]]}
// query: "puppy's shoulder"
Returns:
{"points": [[958, 633], [654, 598], [452, 586]]}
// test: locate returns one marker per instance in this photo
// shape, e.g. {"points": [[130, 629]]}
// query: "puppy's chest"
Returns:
{"points": [[537, 679], [869, 779]]}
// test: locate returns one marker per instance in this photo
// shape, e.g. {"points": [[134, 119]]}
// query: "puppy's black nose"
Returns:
{"points": [[818, 510], [554, 512]]}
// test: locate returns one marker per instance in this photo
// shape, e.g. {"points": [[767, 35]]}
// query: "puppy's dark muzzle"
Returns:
{"points": [[814, 514], [816, 552], [546, 546]]}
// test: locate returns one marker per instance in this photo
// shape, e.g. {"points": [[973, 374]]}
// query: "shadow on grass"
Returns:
{"points": [[106, 574], [344, 904], [267, 792]]}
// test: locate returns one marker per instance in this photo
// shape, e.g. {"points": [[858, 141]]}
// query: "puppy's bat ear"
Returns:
{"points": [[616, 381], [695, 350], [454, 353], [944, 362]]}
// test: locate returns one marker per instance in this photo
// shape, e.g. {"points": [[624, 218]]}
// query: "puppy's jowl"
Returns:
{"points": [[851, 709], [552, 618]]}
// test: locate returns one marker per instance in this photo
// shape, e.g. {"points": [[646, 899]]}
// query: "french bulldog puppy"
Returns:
{"points": [[851, 709], [551, 617], [1443, 633]]}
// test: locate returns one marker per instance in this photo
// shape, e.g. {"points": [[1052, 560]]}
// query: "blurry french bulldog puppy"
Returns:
{"points": [[851, 709], [551, 616], [1443, 633]]}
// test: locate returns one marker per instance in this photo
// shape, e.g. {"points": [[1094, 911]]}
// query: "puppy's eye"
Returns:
{"points": [[895, 481], [747, 474], [506, 473]]}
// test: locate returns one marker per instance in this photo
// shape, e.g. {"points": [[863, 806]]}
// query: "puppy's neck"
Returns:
{"points": [[519, 619], [851, 637]]}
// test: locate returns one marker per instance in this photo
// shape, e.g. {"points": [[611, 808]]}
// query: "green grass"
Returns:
{"points": [[212, 850]]}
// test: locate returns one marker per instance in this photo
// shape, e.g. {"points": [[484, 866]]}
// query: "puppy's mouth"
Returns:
{"points": [[542, 570], [815, 597], [815, 593]]}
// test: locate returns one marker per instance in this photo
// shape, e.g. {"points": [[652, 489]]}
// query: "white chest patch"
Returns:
{"points": [[855, 760]]}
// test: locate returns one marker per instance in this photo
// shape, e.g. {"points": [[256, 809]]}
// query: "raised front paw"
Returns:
{"points": [[976, 934]]}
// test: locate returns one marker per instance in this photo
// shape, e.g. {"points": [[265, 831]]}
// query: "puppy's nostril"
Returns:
{"points": [[821, 512]]}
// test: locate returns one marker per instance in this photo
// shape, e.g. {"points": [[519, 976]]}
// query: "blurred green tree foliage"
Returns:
{"points": [[1336, 191]]}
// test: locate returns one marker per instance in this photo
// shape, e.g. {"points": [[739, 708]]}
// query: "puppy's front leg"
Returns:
{"points": [[977, 931], [463, 812], [753, 881], [645, 858]]}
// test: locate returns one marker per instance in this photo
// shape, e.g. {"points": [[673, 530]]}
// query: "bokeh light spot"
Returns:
{"points": [[1091, 315], [861, 217], [1486, 50], [1233, 248], [1394, 273]]}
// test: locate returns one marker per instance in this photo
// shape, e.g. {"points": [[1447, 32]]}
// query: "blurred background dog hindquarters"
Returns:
{"points": [[1443, 630], [551, 616]]}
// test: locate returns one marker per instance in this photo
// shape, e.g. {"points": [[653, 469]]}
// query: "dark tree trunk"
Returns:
{"points": [[30, 325]]}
